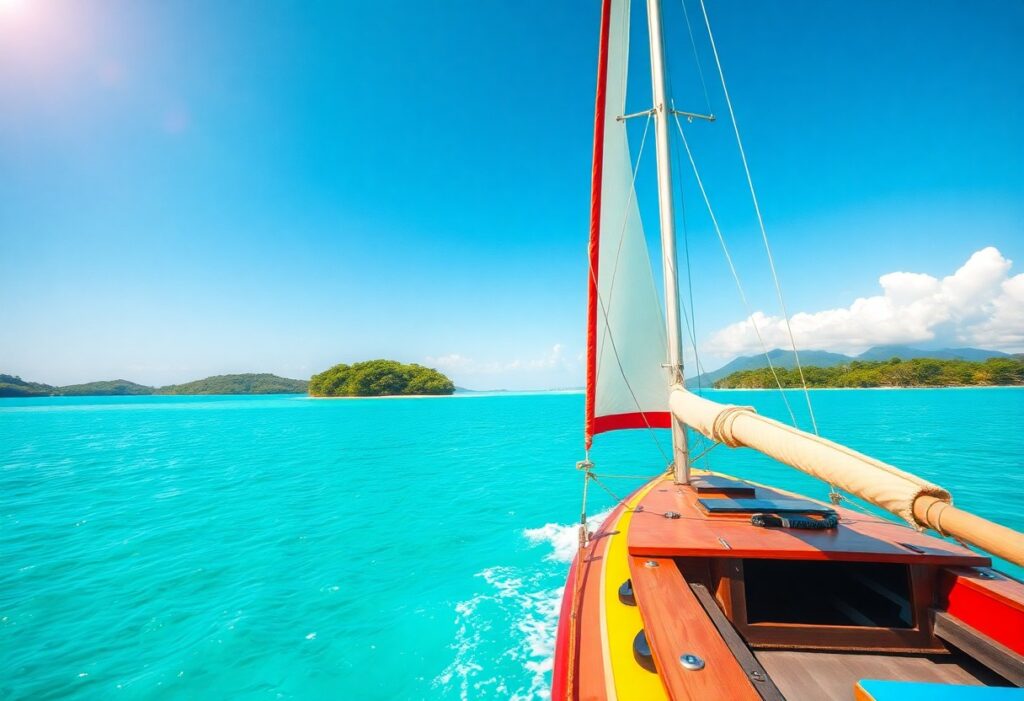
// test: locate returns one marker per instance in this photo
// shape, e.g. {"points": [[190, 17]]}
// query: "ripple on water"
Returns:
{"points": [[280, 547]]}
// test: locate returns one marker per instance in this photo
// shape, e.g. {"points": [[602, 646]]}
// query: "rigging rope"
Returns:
{"points": [[760, 219], [834, 494], [585, 465], [696, 59], [732, 269], [618, 500], [689, 318]]}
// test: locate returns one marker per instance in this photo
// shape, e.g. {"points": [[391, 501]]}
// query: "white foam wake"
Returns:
{"points": [[505, 635], [510, 626], [563, 538]]}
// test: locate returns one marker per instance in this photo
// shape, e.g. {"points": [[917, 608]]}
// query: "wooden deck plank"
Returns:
{"points": [[858, 538], [994, 655], [832, 675], [759, 676], [675, 624]]}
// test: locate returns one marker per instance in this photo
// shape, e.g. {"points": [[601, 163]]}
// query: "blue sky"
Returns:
{"points": [[191, 188]]}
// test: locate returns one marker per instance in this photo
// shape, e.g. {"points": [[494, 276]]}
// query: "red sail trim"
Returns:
{"points": [[595, 221], [637, 419]]}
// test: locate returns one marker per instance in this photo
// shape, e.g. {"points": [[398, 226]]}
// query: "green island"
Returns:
{"points": [[379, 378], [103, 388], [372, 378], [917, 372], [247, 383]]}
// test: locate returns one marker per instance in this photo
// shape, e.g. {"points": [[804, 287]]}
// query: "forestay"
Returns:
{"points": [[627, 382]]}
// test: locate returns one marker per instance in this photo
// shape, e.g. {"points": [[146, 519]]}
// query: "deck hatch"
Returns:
{"points": [[716, 484], [773, 506]]}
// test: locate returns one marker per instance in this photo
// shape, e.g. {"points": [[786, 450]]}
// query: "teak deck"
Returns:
{"points": [[675, 622], [698, 534], [828, 675]]}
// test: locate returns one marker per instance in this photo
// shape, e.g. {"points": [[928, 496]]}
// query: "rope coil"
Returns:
{"points": [[721, 429]]}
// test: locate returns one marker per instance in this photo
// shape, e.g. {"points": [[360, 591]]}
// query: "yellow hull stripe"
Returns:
{"points": [[624, 678]]}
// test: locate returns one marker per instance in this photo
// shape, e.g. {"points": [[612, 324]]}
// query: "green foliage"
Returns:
{"points": [[377, 378], [918, 372], [104, 388], [248, 383], [14, 386], [11, 386]]}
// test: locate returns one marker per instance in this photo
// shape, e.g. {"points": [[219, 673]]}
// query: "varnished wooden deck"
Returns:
{"points": [[831, 675], [860, 538]]}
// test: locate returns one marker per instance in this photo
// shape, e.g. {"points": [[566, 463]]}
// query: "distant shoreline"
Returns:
{"points": [[237, 384], [507, 393], [845, 389], [916, 373], [302, 395], [465, 395], [389, 396]]}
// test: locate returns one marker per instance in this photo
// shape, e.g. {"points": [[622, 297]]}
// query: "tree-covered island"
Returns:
{"points": [[245, 383], [918, 372], [379, 378], [248, 383]]}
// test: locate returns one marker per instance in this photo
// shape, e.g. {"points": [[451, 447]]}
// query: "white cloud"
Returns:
{"points": [[551, 369], [978, 305], [455, 362], [552, 359]]}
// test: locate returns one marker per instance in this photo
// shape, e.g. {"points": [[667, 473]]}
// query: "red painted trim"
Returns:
{"points": [[615, 422], [560, 670], [570, 604], [984, 610], [595, 220]]}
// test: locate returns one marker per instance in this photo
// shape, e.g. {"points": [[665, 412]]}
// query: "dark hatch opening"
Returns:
{"points": [[828, 593]]}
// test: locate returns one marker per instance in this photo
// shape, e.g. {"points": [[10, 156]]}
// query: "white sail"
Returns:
{"points": [[627, 381]]}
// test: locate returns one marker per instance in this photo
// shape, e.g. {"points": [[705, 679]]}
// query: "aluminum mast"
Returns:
{"points": [[666, 215]]}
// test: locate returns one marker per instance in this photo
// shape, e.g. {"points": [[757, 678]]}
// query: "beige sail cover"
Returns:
{"points": [[873, 480]]}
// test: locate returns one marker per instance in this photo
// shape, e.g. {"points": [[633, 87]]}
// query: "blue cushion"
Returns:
{"points": [[889, 690]]}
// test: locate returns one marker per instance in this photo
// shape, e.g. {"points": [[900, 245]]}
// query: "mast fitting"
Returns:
{"points": [[645, 113], [690, 116]]}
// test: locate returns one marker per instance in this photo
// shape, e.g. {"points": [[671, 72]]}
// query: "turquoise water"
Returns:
{"points": [[289, 548]]}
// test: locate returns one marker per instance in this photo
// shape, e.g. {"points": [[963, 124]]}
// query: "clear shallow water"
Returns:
{"points": [[288, 548]]}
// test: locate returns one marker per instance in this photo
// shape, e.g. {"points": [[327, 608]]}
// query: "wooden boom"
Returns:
{"points": [[919, 502]]}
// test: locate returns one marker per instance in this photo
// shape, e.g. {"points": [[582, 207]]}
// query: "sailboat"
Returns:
{"points": [[700, 585]]}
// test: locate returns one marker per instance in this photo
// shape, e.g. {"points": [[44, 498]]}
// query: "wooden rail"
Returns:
{"points": [[676, 624]]}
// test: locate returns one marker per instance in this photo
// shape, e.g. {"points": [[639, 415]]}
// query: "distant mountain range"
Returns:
{"points": [[824, 359], [248, 383]]}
